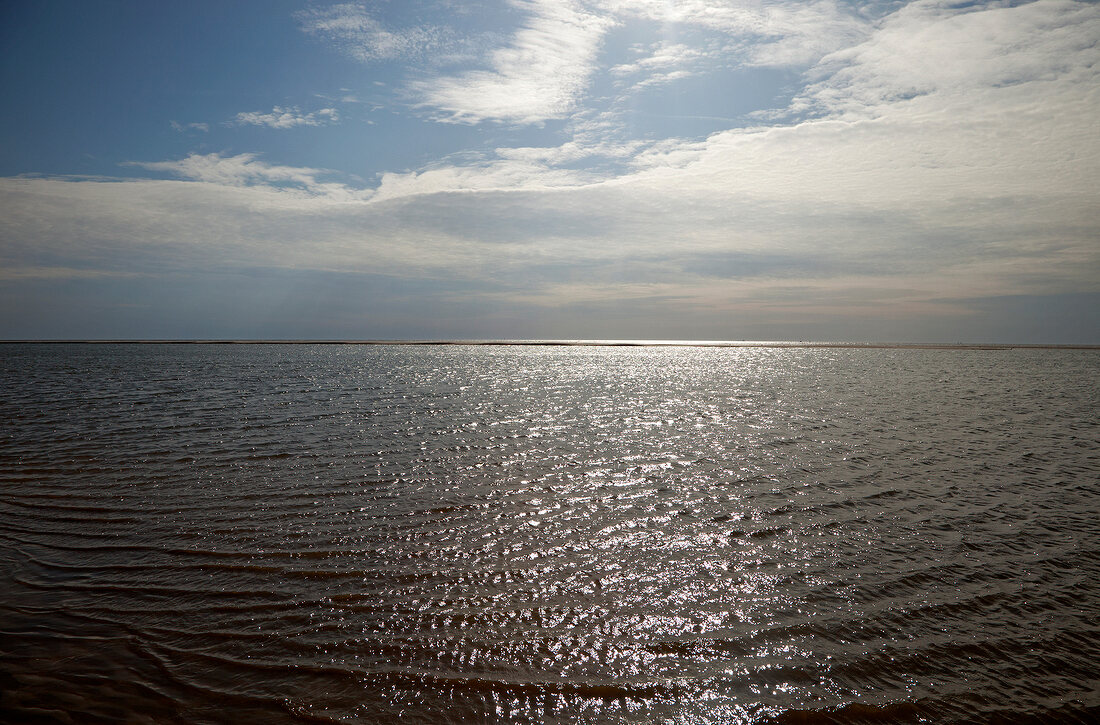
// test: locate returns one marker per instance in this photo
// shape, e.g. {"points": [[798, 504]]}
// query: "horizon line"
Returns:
{"points": [[570, 343]]}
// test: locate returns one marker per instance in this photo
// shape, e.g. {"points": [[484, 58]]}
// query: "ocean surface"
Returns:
{"points": [[525, 534]]}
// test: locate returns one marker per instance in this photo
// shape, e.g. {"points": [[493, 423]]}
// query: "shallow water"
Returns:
{"points": [[375, 534]]}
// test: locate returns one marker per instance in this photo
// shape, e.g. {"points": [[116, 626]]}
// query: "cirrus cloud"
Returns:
{"points": [[287, 117]]}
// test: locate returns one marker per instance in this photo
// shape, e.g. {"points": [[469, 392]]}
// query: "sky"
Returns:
{"points": [[569, 169]]}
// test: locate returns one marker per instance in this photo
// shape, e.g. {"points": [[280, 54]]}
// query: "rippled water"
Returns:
{"points": [[311, 533]]}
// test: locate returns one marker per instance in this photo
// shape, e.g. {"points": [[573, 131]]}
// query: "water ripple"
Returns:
{"points": [[542, 535]]}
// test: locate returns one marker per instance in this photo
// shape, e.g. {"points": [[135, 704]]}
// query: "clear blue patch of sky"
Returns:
{"points": [[89, 85], [720, 92], [706, 103]]}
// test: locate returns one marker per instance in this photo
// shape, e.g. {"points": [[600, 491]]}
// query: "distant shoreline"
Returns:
{"points": [[587, 343]]}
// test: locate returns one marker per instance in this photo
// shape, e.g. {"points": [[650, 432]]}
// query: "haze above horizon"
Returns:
{"points": [[552, 169]]}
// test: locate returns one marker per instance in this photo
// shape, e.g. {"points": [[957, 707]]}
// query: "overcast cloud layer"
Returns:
{"points": [[610, 169]]}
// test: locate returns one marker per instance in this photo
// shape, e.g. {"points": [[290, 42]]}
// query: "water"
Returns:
{"points": [[314, 533]]}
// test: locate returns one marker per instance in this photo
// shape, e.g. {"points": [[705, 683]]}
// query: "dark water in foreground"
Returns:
{"points": [[480, 534]]}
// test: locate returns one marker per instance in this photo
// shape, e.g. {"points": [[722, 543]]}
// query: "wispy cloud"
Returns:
{"points": [[667, 62], [185, 127], [352, 29], [766, 32], [969, 55], [287, 117], [27, 272], [548, 65], [664, 55], [248, 170], [541, 74], [544, 68]]}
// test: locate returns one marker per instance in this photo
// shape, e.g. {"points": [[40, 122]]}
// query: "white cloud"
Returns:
{"points": [[568, 152], [351, 28], [546, 66], [668, 62], [246, 170], [770, 33], [30, 272], [972, 57], [665, 55], [540, 75], [287, 117], [502, 174], [184, 127]]}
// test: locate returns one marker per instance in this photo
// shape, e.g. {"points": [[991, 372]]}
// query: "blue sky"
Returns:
{"points": [[667, 169]]}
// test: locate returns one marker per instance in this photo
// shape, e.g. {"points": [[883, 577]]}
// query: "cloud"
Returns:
{"points": [[668, 62], [354, 32], [549, 63], [775, 33], [665, 55], [22, 273], [184, 127], [987, 103], [968, 55], [287, 117], [545, 67], [247, 170], [541, 74]]}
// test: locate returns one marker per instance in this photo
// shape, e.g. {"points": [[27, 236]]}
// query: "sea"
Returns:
{"points": [[549, 533]]}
